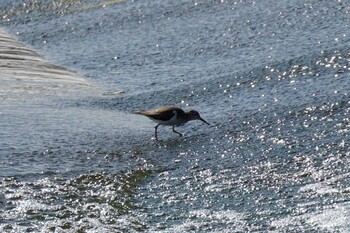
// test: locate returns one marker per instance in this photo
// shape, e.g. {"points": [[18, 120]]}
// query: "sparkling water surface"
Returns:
{"points": [[272, 78]]}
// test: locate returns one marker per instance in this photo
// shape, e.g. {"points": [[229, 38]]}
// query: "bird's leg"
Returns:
{"points": [[155, 132], [180, 134]]}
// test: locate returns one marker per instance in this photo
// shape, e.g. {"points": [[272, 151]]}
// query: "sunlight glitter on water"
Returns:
{"points": [[275, 158]]}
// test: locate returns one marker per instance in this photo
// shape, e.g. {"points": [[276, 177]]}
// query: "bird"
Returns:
{"points": [[170, 116]]}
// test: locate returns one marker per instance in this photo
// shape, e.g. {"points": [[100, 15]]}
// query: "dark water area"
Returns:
{"points": [[272, 78]]}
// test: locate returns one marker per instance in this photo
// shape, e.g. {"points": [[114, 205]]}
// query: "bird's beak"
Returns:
{"points": [[201, 119]]}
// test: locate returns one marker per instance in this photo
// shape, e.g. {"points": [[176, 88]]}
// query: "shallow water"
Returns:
{"points": [[271, 77]]}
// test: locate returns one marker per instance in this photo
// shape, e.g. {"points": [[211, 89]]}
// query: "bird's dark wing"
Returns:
{"points": [[162, 113], [163, 116]]}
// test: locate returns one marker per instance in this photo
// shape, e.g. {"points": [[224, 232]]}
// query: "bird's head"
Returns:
{"points": [[194, 115]]}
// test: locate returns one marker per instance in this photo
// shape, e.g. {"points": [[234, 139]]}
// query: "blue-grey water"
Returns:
{"points": [[272, 78]]}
